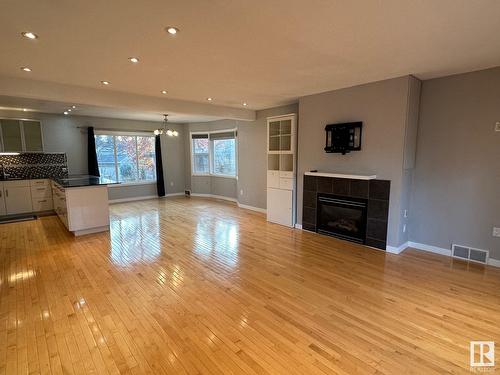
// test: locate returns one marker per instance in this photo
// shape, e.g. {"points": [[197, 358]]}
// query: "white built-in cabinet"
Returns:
{"points": [[281, 169]]}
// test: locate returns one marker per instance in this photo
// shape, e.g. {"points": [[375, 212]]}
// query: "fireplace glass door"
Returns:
{"points": [[342, 217]]}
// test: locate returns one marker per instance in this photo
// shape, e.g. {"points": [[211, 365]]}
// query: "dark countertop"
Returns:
{"points": [[82, 181], [70, 181]]}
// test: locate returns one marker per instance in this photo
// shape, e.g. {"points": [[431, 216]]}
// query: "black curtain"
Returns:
{"points": [[160, 183], [93, 166]]}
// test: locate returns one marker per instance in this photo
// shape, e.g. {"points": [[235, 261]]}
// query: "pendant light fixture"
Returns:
{"points": [[169, 132]]}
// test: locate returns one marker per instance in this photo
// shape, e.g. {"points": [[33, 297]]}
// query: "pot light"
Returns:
{"points": [[133, 60], [245, 104], [209, 99], [29, 35], [73, 106], [69, 110], [25, 110], [172, 30], [164, 92], [26, 69], [66, 112], [105, 83]]}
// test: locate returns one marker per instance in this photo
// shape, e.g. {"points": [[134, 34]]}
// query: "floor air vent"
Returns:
{"points": [[469, 253]]}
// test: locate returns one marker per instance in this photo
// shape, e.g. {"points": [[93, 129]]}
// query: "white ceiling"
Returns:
{"points": [[266, 53]]}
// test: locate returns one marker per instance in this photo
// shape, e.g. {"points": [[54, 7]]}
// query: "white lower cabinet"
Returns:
{"points": [[2, 201], [24, 196], [280, 206], [17, 197]]}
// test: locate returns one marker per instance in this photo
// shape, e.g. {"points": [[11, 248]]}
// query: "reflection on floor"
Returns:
{"points": [[186, 286]]}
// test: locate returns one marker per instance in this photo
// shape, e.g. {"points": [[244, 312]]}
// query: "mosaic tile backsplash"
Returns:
{"points": [[35, 165]]}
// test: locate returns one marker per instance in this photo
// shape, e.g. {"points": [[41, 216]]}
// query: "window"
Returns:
{"points": [[126, 158], [200, 154], [214, 153]]}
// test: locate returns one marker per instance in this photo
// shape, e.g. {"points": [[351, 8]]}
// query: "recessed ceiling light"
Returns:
{"points": [[74, 106], [209, 99], [172, 30], [245, 104], [26, 69], [29, 35], [65, 112], [69, 110], [105, 82], [134, 60], [164, 92], [25, 110]]}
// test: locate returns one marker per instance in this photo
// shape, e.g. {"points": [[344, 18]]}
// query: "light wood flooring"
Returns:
{"points": [[195, 286]]}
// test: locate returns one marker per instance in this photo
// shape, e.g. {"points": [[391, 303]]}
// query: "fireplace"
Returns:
{"points": [[342, 217]]}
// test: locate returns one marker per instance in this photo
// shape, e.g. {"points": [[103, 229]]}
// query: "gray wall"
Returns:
{"points": [[383, 108], [61, 134], [456, 196], [250, 188]]}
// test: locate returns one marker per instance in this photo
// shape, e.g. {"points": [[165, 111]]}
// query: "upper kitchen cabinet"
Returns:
{"points": [[21, 135]]}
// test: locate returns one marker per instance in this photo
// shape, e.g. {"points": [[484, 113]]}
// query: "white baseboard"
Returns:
{"points": [[430, 248], [257, 209], [298, 226], [214, 197], [131, 199], [397, 250]]}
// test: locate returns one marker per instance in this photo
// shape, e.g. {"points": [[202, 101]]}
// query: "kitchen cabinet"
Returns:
{"points": [[21, 135], [2, 200], [17, 197]]}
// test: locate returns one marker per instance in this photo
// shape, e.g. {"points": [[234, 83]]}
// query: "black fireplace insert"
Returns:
{"points": [[342, 217]]}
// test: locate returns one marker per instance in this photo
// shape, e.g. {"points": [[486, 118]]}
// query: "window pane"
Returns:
{"points": [[105, 150], [200, 146], [126, 157], [224, 156], [146, 152], [200, 156], [201, 163]]}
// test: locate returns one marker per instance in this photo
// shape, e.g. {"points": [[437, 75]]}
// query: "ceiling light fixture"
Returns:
{"points": [[73, 106], [69, 110], [245, 104], [25, 69], [66, 112], [134, 60], [25, 110], [29, 35], [164, 92], [169, 132], [209, 99], [105, 83], [172, 30]]}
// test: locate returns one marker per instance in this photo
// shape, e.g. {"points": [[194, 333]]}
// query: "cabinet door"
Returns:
{"points": [[17, 199], [279, 206], [11, 135], [2, 200], [32, 136]]}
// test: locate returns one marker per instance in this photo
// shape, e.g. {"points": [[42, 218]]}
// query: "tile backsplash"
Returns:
{"points": [[35, 165]]}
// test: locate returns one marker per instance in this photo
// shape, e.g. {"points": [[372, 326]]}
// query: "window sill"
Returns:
{"points": [[122, 184], [214, 175]]}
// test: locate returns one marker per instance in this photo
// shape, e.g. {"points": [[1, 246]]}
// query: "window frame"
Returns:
{"points": [[210, 153], [118, 133]]}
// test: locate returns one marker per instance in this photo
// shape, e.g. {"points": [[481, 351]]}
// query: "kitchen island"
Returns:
{"points": [[81, 202]]}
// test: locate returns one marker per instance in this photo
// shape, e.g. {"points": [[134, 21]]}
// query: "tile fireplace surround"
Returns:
{"points": [[376, 192]]}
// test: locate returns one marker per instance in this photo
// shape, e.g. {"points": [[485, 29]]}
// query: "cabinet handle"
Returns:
{"points": [[45, 200]]}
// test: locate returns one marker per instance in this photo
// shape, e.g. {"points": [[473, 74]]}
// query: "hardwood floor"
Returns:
{"points": [[194, 286]]}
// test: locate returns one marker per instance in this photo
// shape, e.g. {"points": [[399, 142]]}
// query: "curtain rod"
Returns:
{"points": [[119, 130]]}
